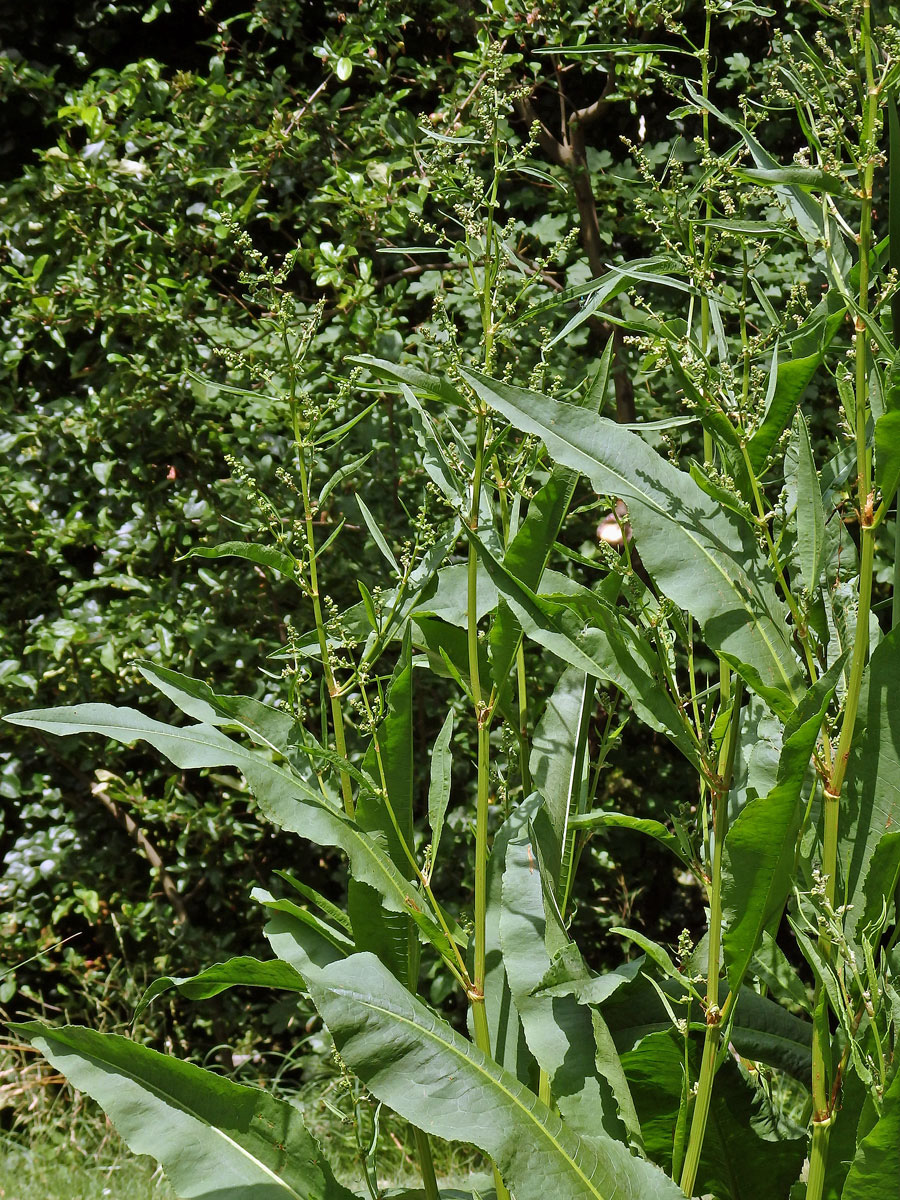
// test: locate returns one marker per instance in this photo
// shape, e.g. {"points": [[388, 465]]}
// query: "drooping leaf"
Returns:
{"points": [[213, 1138], [808, 179], [336, 915], [267, 726], [697, 554], [614, 652], [435, 1078], [601, 819], [285, 798], [435, 387]]}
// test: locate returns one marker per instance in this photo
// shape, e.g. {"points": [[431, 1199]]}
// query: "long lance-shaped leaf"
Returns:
{"points": [[559, 1030], [698, 553], [759, 847], [873, 784], [526, 558], [810, 510], [286, 799], [614, 653], [430, 1074], [508, 1046], [436, 387], [268, 726], [213, 1138], [387, 815], [557, 763]]}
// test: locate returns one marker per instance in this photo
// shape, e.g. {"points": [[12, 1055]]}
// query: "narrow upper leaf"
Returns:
{"points": [[439, 783], [810, 510], [759, 847]]}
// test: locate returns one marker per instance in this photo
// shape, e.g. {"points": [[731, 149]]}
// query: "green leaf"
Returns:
{"points": [[558, 764], [615, 653], [887, 455], [736, 1163], [793, 376], [236, 972], [601, 819], [263, 556], [805, 211], [335, 914], [698, 555], [559, 1030], [759, 847], [526, 559], [431, 1075], [659, 955], [876, 1168], [873, 774], [377, 536], [286, 799], [508, 1046], [809, 179], [296, 938], [894, 203], [810, 510], [386, 815], [439, 782], [434, 387], [213, 1138], [267, 726]]}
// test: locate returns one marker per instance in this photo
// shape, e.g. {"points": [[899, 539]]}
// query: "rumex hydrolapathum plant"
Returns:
{"points": [[579, 1083]]}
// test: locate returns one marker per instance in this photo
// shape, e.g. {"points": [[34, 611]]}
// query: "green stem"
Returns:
{"points": [[426, 1164], [823, 1103], [714, 1015], [337, 716], [895, 602]]}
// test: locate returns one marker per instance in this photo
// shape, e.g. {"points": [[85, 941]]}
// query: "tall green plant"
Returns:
{"points": [[655, 1079]]}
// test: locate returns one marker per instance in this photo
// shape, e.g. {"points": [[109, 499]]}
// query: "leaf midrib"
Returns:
{"points": [[432, 1034], [99, 1062]]}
